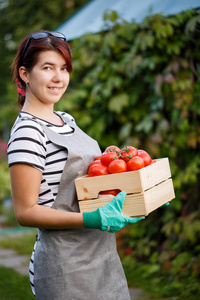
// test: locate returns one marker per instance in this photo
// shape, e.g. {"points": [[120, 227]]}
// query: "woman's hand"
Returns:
{"points": [[109, 217]]}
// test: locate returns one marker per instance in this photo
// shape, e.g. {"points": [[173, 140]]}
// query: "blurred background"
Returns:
{"points": [[135, 81]]}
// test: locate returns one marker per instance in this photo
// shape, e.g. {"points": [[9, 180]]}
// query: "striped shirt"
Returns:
{"points": [[28, 144]]}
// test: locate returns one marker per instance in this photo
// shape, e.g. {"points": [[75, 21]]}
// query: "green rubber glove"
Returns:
{"points": [[109, 217], [166, 204]]}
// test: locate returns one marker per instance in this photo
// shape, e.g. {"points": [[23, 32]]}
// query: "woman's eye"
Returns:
{"points": [[64, 69], [47, 68]]}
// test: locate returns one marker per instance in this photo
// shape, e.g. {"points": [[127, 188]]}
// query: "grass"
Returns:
{"points": [[22, 244], [14, 286]]}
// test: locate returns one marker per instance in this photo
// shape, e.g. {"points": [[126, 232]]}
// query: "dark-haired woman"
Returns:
{"points": [[75, 254]]}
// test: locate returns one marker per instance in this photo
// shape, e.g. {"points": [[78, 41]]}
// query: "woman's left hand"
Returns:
{"points": [[109, 217]]}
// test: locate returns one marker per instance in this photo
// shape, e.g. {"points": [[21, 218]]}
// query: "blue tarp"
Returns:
{"points": [[89, 19]]}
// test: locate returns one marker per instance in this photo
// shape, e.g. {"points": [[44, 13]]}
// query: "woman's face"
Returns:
{"points": [[49, 78]]}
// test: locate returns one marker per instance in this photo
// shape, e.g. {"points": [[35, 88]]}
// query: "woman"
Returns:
{"points": [[75, 253]]}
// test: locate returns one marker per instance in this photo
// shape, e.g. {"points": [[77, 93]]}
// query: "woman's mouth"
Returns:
{"points": [[55, 88]]}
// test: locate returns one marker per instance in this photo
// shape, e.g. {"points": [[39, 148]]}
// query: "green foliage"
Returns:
{"points": [[14, 286], [138, 84]]}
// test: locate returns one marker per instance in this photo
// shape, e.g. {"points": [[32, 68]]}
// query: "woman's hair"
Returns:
{"points": [[30, 57]]}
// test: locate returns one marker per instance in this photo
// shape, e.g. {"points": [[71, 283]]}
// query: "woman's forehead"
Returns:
{"points": [[51, 57]]}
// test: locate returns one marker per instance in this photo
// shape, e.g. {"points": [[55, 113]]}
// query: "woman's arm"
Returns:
{"points": [[25, 185]]}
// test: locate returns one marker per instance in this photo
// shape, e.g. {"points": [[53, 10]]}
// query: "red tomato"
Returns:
{"points": [[140, 151], [128, 152], [112, 149], [117, 166], [98, 157], [97, 170], [135, 163], [95, 162], [145, 156], [107, 157], [110, 192]]}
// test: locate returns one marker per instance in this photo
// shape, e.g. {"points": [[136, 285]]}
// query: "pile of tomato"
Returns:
{"points": [[116, 160]]}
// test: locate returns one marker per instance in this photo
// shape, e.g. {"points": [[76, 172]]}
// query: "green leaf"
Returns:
{"points": [[145, 125], [125, 131], [154, 268], [118, 103], [110, 15]]}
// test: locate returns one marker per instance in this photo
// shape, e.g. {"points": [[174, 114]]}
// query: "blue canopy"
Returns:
{"points": [[89, 19]]}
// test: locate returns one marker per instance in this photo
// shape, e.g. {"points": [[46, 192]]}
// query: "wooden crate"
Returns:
{"points": [[147, 189]]}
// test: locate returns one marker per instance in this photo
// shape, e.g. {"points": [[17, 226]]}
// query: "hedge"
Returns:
{"points": [[138, 84]]}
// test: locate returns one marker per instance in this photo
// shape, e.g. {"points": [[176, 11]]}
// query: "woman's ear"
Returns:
{"points": [[23, 74]]}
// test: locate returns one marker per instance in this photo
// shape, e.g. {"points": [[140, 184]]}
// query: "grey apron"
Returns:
{"points": [[77, 264]]}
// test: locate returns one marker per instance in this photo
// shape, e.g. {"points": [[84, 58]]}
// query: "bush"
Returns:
{"points": [[138, 84]]}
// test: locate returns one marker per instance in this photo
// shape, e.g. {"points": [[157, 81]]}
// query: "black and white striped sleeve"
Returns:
{"points": [[27, 145]]}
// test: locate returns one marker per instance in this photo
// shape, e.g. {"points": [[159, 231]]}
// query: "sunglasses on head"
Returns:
{"points": [[41, 35]]}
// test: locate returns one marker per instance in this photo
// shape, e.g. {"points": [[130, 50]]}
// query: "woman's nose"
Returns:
{"points": [[57, 76]]}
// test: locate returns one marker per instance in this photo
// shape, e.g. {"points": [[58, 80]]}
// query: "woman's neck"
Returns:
{"points": [[46, 113]]}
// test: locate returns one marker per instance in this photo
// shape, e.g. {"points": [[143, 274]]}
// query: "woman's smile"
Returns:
{"points": [[55, 89]]}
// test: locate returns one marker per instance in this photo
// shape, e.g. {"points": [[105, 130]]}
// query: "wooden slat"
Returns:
{"points": [[139, 204]]}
